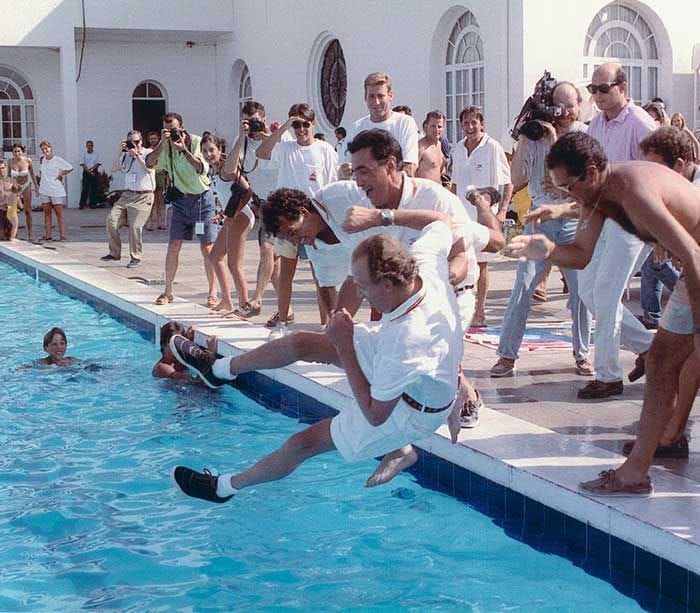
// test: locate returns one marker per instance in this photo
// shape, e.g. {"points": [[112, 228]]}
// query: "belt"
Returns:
{"points": [[139, 191], [192, 195], [414, 404], [464, 288]]}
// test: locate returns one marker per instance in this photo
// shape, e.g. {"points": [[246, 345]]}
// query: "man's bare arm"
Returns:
{"points": [[358, 218]]}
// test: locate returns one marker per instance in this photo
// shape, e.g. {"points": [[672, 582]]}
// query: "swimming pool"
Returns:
{"points": [[89, 517]]}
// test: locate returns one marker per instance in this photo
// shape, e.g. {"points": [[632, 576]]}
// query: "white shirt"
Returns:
{"points": [[49, 169], [307, 168], [90, 159], [487, 166], [417, 347], [137, 177], [261, 174], [620, 137], [402, 127]]}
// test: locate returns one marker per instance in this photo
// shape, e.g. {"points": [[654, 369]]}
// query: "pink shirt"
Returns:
{"points": [[621, 136]]}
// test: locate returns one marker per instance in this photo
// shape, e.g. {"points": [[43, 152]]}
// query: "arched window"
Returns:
{"points": [[148, 107], [619, 33], [245, 87], [17, 111], [464, 72], [334, 83]]}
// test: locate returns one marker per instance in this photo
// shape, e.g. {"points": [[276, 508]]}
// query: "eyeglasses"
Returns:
{"points": [[298, 124], [603, 88], [570, 186]]}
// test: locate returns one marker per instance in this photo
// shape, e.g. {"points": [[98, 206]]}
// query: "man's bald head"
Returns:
{"points": [[610, 72]]}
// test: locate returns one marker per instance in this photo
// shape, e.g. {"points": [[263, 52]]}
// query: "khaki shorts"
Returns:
{"points": [[285, 249]]}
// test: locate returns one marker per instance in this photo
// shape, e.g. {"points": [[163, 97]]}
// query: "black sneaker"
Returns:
{"points": [[198, 485], [109, 258], [200, 360]]}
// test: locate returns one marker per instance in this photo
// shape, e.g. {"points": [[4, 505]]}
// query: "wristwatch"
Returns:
{"points": [[387, 216]]}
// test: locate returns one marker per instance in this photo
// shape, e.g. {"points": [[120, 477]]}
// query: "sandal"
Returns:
{"points": [[275, 319], [212, 301], [232, 315], [164, 298], [247, 310]]}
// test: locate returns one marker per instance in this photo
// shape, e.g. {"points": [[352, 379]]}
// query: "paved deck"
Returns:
{"points": [[553, 436]]}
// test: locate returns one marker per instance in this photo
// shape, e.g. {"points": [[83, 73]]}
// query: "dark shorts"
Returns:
{"points": [[186, 212]]}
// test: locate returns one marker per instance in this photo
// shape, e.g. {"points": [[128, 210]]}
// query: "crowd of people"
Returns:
{"points": [[395, 216]]}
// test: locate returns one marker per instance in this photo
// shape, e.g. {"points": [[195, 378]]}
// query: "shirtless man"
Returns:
{"points": [[431, 162], [656, 204]]}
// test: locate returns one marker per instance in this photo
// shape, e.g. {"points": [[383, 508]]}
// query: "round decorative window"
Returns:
{"points": [[334, 83]]}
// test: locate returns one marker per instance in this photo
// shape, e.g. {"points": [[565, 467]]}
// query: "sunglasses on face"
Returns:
{"points": [[570, 186], [298, 124], [603, 88]]}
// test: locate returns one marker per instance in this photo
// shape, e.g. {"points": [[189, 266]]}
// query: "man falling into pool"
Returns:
{"points": [[402, 369], [656, 204]]}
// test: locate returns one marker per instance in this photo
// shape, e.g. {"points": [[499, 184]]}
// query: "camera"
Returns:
{"points": [[491, 192], [175, 135], [128, 145], [255, 125], [538, 107]]}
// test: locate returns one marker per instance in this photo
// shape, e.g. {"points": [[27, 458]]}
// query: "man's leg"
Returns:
{"points": [[580, 316], [84, 190], [688, 384], [138, 213], [115, 220], [665, 359], [288, 267], [171, 261], [482, 288]]}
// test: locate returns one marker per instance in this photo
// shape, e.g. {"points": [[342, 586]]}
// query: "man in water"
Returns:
{"points": [[402, 369], [656, 204]]}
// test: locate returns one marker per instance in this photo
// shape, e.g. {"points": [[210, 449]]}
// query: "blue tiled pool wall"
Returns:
{"points": [[654, 583]]}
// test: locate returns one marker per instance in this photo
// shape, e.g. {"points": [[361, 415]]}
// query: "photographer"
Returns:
{"points": [[134, 205], [179, 153], [528, 168]]}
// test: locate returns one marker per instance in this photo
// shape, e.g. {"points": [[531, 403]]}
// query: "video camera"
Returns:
{"points": [[538, 107]]}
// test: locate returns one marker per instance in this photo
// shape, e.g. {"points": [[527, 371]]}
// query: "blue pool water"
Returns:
{"points": [[90, 519]]}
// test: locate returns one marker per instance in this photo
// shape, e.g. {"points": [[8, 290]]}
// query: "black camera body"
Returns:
{"points": [[128, 145], [175, 135], [538, 107], [255, 125]]}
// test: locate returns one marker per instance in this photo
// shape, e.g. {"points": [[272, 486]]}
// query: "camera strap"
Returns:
{"points": [[242, 161]]}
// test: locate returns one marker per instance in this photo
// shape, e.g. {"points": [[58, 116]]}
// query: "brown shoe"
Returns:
{"points": [[600, 389], [639, 369], [677, 450], [584, 367], [505, 367], [607, 484]]}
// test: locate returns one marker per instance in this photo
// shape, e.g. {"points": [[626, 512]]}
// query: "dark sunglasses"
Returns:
{"points": [[603, 88], [298, 124]]}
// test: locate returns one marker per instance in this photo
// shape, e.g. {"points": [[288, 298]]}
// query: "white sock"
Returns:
{"points": [[224, 487], [221, 369]]}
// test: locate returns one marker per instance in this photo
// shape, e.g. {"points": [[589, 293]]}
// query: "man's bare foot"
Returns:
{"points": [[392, 464]]}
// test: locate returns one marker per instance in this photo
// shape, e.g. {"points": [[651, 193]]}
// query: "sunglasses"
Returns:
{"points": [[570, 186], [603, 88], [298, 124]]}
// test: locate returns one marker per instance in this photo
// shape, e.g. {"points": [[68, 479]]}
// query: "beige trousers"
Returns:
{"points": [[130, 210]]}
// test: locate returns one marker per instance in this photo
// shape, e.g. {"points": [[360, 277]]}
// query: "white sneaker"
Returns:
{"points": [[279, 331]]}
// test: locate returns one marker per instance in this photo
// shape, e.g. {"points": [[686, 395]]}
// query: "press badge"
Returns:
{"points": [[199, 228]]}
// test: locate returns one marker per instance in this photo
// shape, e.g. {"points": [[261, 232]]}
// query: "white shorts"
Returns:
{"points": [[678, 316], [53, 200], [331, 263], [248, 212], [285, 249], [356, 439], [466, 302]]}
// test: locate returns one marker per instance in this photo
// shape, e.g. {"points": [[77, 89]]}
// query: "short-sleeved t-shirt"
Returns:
{"points": [[487, 166], [539, 185], [261, 174], [91, 159], [417, 347], [307, 168], [402, 127], [183, 175], [620, 137], [49, 169], [136, 176]]}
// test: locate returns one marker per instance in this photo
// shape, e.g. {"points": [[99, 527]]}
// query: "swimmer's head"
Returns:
{"points": [[55, 343], [167, 331]]}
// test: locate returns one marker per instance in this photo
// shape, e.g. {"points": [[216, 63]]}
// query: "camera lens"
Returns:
{"points": [[533, 130]]}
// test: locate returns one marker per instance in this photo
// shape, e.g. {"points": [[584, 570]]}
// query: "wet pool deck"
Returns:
{"points": [[536, 437]]}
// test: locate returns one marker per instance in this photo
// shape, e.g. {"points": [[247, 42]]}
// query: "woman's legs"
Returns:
{"points": [[61, 224], [27, 203], [216, 260], [47, 219], [236, 233], [205, 248]]}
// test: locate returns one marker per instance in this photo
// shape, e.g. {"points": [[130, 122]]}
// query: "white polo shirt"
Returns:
{"points": [[305, 167], [402, 127], [417, 347], [487, 166]]}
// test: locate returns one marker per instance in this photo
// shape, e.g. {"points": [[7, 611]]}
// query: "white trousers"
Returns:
{"points": [[601, 286]]}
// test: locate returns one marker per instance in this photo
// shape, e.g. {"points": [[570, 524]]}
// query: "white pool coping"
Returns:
{"points": [[529, 459]]}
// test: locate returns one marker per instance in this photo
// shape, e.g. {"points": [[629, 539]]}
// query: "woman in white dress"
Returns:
{"points": [[52, 194]]}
